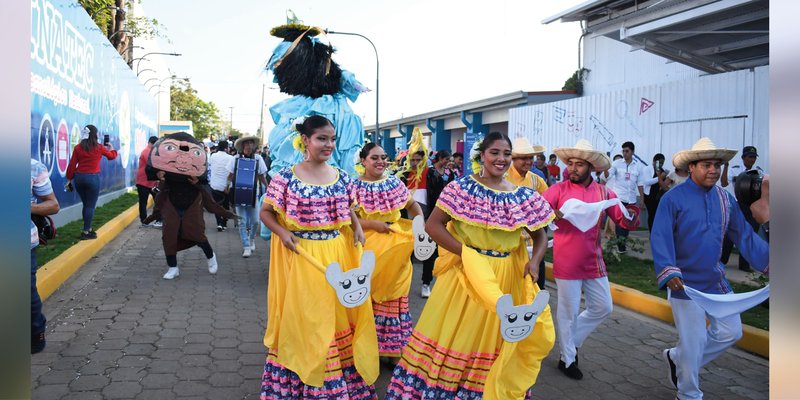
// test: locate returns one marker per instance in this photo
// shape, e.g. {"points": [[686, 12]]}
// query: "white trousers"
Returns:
{"points": [[698, 345], [573, 328]]}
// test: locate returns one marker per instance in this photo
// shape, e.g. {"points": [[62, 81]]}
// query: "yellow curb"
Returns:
{"points": [[754, 340], [53, 274]]}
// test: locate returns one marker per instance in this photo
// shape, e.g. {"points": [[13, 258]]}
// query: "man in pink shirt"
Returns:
{"points": [[577, 256], [143, 186]]}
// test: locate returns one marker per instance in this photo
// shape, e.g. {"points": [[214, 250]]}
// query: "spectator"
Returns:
{"points": [[218, 181], [628, 174], [749, 156], [539, 165], [84, 168], [674, 178], [458, 163], [43, 202], [419, 186], [437, 178], [553, 169], [653, 190], [145, 187]]}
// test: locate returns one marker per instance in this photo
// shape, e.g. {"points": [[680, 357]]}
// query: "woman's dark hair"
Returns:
{"points": [[312, 123], [91, 142], [458, 154], [659, 156], [488, 140], [366, 149], [440, 155]]}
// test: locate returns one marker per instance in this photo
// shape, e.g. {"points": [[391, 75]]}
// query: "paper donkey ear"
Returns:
{"points": [[517, 322], [352, 287], [423, 244]]}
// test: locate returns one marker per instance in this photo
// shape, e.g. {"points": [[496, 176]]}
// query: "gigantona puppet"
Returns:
{"points": [[303, 67], [179, 162]]}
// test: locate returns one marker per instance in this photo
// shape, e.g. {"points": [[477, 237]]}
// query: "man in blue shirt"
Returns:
{"points": [[43, 202], [689, 227]]}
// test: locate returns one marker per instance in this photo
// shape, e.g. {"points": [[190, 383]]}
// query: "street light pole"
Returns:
{"points": [[146, 69], [231, 130], [377, 81], [152, 52]]}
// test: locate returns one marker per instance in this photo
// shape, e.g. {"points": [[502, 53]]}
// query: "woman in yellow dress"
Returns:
{"points": [[456, 349], [317, 348], [380, 198]]}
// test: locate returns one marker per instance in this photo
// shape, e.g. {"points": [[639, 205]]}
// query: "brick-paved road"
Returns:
{"points": [[117, 330]]}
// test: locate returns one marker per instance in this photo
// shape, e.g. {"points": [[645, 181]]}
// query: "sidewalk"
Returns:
{"points": [[116, 329]]}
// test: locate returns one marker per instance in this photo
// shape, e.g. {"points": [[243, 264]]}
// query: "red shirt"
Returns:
{"points": [[576, 254], [554, 170], [423, 180], [141, 176], [88, 162]]}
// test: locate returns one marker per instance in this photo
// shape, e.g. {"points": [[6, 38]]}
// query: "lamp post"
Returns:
{"points": [[159, 92], [130, 47], [145, 82], [146, 69], [377, 71], [117, 33], [152, 52]]}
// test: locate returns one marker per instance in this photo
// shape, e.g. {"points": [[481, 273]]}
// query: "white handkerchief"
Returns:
{"points": [[723, 305], [648, 183], [585, 215]]}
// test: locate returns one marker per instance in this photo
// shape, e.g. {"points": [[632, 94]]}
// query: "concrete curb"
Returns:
{"points": [[53, 274], [754, 340]]}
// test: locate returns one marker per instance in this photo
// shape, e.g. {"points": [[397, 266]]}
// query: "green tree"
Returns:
{"points": [[575, 82], [185, 105], [113, 16]]}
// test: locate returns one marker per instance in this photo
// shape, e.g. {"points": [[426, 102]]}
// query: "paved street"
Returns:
{"points": [[116, 329]]}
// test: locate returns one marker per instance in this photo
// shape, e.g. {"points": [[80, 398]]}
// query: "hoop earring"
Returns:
{"points": [[481, 174]]}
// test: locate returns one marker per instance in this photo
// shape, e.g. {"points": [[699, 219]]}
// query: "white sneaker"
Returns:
{"points": [[157, 224], [426, 291], [253, 245], [172, 272], [247, 252], [212, 264]]}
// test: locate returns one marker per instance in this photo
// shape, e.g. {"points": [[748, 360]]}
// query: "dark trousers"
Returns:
{"points": [[223, 200], [38, 320], [144, 192], [652, 206], [88, 188], [622, 233]]}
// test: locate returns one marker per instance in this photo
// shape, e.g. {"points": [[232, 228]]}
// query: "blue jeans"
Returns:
{"points": [[88, 188], [248, 224], [38, 320]]}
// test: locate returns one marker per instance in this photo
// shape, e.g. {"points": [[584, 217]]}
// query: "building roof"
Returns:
{"points": [[710, 35]]}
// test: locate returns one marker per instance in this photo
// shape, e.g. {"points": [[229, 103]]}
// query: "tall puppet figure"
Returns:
{"points": [[179, 162], [303, 68]]}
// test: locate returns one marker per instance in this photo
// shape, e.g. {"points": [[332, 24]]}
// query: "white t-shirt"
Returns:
{"points": [[218, 170], [627, 179]]}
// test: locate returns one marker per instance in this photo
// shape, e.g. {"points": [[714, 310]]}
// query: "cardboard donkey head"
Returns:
{"points": [[352, 286], [423, 244], [517, 322]]}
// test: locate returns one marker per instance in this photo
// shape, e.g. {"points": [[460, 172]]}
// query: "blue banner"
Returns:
{"points": [[78, 78]]}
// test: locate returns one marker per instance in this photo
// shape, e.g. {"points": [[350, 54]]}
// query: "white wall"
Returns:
{"points": [[615, 66], [731, 108]]}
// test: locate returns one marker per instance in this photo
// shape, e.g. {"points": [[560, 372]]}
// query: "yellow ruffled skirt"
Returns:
{"points": [[316, 347], [456, 349], [390, 284]]}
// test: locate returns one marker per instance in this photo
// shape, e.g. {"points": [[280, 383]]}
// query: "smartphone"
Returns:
{"points": [[106, 140]]}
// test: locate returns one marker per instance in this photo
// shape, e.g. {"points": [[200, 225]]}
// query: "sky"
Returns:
{"points": [[433, 54]]}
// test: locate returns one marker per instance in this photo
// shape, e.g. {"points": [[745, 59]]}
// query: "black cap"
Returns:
{"points": [[749, 151]]}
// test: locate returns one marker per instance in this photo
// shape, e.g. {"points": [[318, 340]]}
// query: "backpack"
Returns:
{"points": [[45, 226]]}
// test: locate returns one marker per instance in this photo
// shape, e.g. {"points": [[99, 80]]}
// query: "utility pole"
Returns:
{"points": [[261, 124], [231, 129]]}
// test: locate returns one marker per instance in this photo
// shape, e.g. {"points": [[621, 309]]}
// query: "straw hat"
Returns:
{"points": [[703, 149], [523, 148], [239, 144], [584, 151]]}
